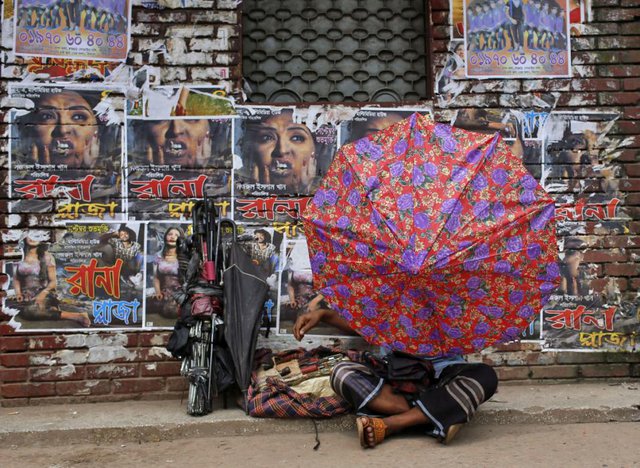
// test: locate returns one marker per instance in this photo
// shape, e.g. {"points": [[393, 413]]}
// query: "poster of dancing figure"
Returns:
{"points": [[517, 38], [80, 29]]}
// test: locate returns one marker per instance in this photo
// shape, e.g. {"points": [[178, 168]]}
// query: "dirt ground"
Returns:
{"points": [[570, 445]]}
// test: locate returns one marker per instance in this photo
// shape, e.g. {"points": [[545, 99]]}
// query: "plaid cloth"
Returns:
{"points": [[278, 400]]}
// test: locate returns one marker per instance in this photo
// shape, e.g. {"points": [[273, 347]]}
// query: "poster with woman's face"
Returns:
{"points": [[163, 278], [66, 151], [279, 155], [90, 277], [173, 161]]}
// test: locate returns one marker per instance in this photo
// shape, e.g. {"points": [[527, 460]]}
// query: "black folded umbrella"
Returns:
{"points": [[245, 291]]}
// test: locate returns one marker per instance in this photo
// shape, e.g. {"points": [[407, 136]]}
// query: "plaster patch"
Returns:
{"points": [[91, 340], [158, 351], [157, 340], [98, 354]]}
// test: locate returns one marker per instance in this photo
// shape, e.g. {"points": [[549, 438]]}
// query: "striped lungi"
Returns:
{"points": [[452, 399]]}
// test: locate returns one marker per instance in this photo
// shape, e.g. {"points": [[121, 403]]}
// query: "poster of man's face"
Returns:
{"points": [[278, 154]]}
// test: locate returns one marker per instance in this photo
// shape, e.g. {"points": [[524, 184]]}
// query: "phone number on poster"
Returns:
{"points": [[517, 59], [114, 42]]}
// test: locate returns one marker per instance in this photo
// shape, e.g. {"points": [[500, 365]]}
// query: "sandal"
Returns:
{"points": [[377, 427], [450, 434]]}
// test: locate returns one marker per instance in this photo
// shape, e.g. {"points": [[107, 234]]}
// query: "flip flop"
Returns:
{"points": [[450, 434], [379, 431]]}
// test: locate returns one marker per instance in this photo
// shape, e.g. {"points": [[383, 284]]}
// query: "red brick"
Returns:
{"points": [[621, 241], [603, 256], [440, 17], [85, 387], [13, 343], [153, 339], [605, 370], [439, 5], [24, 390], [595, 84], [160, 369], [13, 375], [627, 127], [138, 385], [616, 14], [619, 70], [632, 170], [554, 372], [110, 371], [56, 373], [47, 342], [631, 84], [577, 99], [630, 185], [622, 99], [600, 285], [622, 269], [177, 383], [14, 360]]}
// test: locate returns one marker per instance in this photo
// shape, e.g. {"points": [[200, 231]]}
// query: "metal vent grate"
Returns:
{"points": [[334, 51]]}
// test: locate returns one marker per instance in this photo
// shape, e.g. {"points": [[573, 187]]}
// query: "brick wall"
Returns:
{"points": [[200, 43]]}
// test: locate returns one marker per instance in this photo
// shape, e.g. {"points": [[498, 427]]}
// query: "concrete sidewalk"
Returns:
{"points": [[148, 421]]}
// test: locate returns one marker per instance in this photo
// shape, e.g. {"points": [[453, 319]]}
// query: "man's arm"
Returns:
{"points": [[314, 316]]}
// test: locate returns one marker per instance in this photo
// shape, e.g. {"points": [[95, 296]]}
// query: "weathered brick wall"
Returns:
{"points": [[198, 41]]}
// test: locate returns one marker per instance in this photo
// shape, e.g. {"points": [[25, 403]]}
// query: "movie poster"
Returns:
{"points": [[66, 152], [587, 327], [173, 161], [297, 291], [578, 155], [160, 102], [90, 278], [78, 29], [278, 155], [371, 120], [517, 38], [576, 16], [263, 245], [162, 279]]}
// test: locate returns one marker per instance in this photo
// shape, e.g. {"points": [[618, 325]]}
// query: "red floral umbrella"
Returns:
{"points": [[432, 240]]}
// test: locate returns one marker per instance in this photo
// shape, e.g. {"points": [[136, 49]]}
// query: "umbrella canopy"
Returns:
{"points": [[432, 240], [245, 291]]}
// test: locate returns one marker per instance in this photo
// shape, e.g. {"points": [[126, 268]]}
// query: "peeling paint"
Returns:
{"points": [[151, 366]]}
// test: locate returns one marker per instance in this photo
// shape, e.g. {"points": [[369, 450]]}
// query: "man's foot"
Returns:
{"points": [[371, 431], [450, 434]]}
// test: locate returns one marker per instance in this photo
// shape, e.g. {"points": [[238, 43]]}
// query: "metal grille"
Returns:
{"points": [[334, 51]]}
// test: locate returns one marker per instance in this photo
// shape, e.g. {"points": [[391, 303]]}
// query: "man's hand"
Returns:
{"points": [[306, 322]]}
